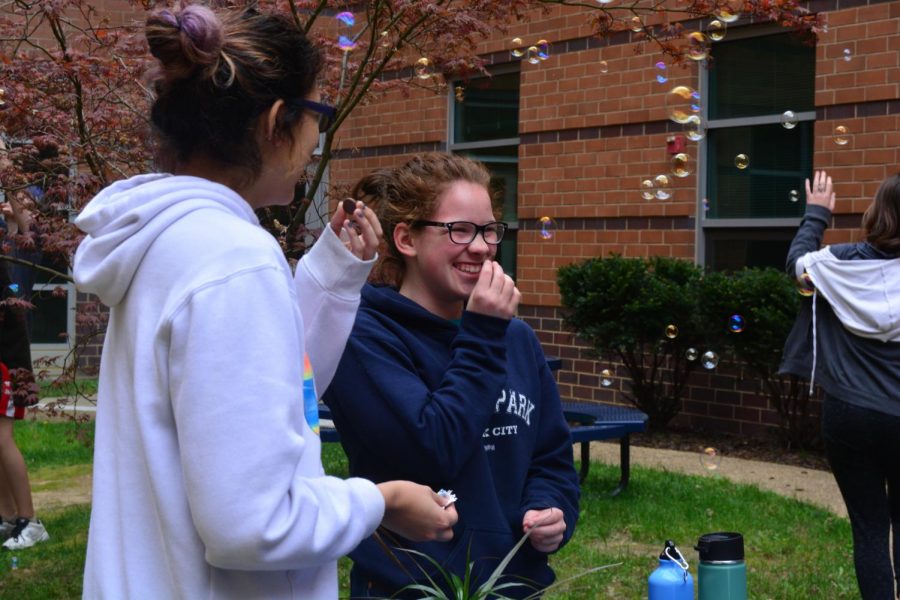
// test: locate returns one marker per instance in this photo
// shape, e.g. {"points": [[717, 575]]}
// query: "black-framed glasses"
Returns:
{"points": [[326, 112], [464, 232]]}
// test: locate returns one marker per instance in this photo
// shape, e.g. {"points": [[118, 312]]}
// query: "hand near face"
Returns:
{"points": [[359, 228], [547, 528], [821, 192], [416, 512], [495, 294]]}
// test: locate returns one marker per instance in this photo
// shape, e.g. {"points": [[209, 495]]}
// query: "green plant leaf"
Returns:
{"points": [[488, 585], [562, 582]]}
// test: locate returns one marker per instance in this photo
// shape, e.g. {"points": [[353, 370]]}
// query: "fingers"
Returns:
{"points": [[416, 512], [495, 293], [821, 191], [546, 528], [358, 227]]}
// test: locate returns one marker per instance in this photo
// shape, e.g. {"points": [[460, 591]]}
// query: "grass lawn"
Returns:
{"points": [[793, 550]]}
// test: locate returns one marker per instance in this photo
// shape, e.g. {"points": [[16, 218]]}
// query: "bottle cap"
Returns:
{"points": [[670, 547], [720, 546]]}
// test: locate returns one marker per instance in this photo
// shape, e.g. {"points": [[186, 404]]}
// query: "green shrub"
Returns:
{"points": [[768, 302], [622, 307]]}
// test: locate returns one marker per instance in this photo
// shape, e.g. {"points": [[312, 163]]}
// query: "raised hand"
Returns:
{"points": [[821, 193], [495, 294], [358, 228]]}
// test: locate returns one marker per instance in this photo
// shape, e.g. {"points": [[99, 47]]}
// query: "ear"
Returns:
{"points": [[270, 119], [404, 240]]}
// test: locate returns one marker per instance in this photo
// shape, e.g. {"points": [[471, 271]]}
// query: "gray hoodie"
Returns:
{"points": [[848, 335]]}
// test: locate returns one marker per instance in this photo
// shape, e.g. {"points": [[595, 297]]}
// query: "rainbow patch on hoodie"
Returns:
{"points": [[310, 398]]}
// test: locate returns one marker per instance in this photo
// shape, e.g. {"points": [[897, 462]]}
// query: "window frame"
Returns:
{"points": [[703, 223]]}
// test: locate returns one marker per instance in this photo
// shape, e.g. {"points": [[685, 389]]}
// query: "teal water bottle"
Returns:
{"points": [[671, 580], [722, 574]]}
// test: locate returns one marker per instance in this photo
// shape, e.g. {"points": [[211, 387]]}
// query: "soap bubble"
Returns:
{"points": [[543, 47], [662, 183], [346, 21], [424, 68], [841, 135], [847, 54], [533, 57], [788, 119], [709, 360], [716, 30], [682, 166], [710, 458], [606, 378], [691, 354], [517, 48], [735, 323], [805, 285], [695, 101], [14, 288], [671, 331], [548, 226], [705, 205], [727, 15], [637, 25], [742, 161], [345, 43], [648, 191], [695, 129], [698, 45], [662, 72], [794, 196], [679, 103], [604, 66]]}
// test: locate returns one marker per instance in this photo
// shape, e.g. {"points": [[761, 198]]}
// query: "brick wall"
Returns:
{"points": [[588, 137]]}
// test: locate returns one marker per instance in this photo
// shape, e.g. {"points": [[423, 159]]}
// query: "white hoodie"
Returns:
{"points": [[207, 477], [861, 292]]}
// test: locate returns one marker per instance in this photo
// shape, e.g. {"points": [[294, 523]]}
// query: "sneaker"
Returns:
{"points": [[6, 529], [26, 534]]}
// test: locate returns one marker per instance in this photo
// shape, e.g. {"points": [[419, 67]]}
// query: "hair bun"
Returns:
{"points": [[200, 25], [185, 40]]}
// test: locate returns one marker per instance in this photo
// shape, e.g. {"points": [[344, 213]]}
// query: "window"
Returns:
{"points": [[751, 213], [485, 126]]}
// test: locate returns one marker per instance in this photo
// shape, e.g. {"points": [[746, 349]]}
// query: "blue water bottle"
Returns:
{"points": [[671, 580]]}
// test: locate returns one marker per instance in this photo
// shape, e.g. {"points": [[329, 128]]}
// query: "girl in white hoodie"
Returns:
{"points": [[207, 474]]}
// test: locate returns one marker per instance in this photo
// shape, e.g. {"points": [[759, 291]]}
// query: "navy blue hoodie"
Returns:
{"points": [[470, 407]]}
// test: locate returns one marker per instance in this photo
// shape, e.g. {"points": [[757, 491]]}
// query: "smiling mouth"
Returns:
{"points": [[468, 268]]}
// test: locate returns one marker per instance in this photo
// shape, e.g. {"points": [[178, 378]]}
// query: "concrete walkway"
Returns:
{"points": [[808, 485]]}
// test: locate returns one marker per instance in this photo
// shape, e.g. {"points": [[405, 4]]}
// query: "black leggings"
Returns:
{"points": [[863, 448]]}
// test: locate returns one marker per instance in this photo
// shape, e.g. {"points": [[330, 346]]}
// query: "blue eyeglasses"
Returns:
{"points": [[326, 112]]}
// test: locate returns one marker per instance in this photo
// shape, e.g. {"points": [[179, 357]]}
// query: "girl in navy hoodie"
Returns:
{"points": [[440, 384]]}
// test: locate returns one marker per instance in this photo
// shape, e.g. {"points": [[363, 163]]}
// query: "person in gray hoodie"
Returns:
{"points": [[847, 339]]}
